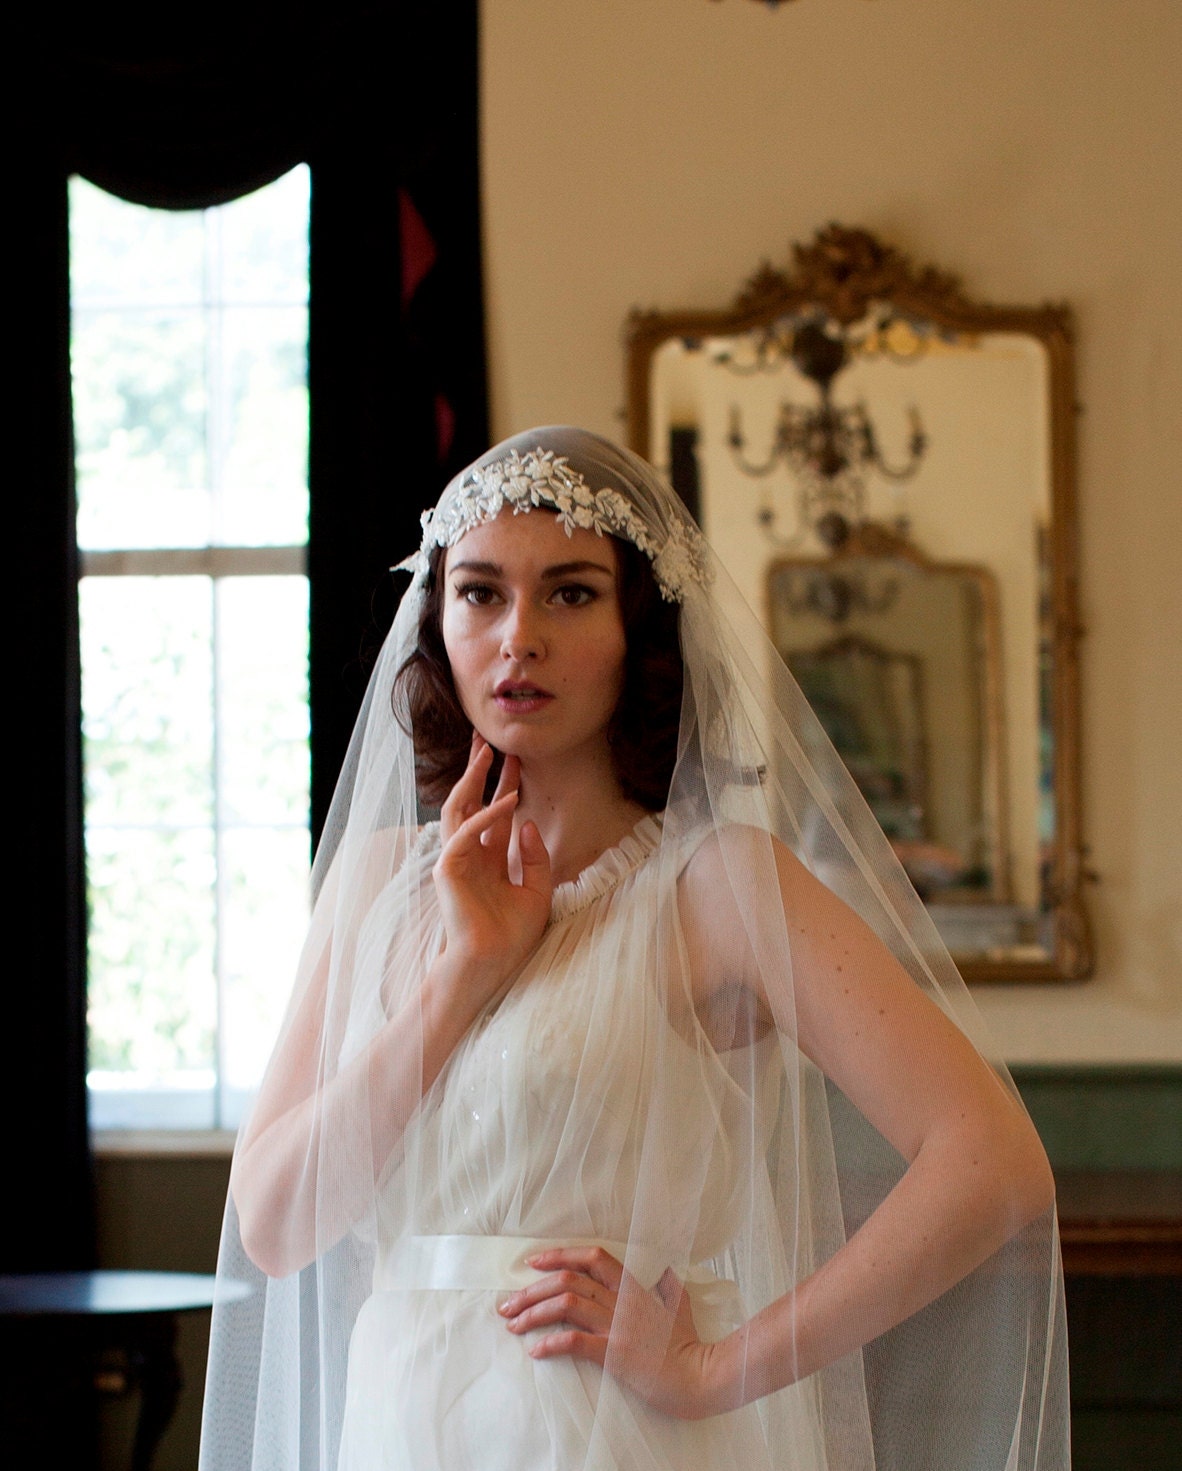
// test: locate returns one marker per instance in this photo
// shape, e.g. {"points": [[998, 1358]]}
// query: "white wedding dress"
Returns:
{"points": [[534, 1135]]}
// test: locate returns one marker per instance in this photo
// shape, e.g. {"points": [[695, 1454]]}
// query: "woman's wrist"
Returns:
{"points": [[759, 1357], [723, 1381], [455, 990]]}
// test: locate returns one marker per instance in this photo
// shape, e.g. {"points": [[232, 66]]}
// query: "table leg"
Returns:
{"points": [[159, 1373]]}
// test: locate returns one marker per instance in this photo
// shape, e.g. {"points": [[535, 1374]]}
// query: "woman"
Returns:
{"points": [[625, 1117]]}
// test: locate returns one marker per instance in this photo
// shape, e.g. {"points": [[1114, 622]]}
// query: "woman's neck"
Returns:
{"points": [[579, 810]]}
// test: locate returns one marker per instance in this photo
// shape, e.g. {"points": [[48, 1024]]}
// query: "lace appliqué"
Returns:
{"points": [[541, 478]]}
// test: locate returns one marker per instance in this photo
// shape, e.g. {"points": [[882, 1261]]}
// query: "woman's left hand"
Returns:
{"points": [[654, 1346]]}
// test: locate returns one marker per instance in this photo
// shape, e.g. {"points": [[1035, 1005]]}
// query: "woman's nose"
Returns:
{"points": [[521, 638]]}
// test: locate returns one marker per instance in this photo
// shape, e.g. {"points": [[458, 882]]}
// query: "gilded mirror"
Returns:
{"points": [[886, 468]]}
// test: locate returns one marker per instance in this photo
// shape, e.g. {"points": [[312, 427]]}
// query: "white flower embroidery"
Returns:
{"points": [[542, 478]]}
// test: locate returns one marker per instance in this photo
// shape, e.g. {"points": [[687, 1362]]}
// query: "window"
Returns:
{"points": [[189, 353]]}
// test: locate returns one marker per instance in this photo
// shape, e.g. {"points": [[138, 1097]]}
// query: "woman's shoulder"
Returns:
{"points": [[729, 856], [739, 881]]}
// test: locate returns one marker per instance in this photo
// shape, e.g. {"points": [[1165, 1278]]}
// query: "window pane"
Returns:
{"points": [[147, 675], [140, 428], [259, 432], [189, 346], [263, 701], [151, 1002], [156, 260], [265, 914], [263, 851], [264, 243], [147, 712]]}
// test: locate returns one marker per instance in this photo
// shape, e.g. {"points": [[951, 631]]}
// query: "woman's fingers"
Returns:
{"points": [[579, 1306], [593, 1261], [466, 797], [498, 833], [465, 801], [578, 1290], [569, 1343], [571, 1306], [655, 1346], [488, 916], [555, 1284], [473, 827]]}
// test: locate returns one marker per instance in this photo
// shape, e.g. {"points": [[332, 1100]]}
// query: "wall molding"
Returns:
{"points": [[1122, 1116]]}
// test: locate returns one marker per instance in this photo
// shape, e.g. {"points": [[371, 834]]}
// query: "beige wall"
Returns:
{"points": [[653, 152]]}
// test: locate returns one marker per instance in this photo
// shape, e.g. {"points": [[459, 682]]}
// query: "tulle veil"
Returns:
{"points": [[740, 1167]]}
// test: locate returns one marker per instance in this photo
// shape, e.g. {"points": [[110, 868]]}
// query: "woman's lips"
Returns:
{"points": [[520, 697]]}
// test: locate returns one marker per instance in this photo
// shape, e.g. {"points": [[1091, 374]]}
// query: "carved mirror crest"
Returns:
{"points": [[887, 469]]}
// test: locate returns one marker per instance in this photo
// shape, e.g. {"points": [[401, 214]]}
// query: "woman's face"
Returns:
{"points": [[533, 629]]}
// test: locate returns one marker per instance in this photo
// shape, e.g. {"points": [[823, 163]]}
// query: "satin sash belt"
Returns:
{"points": [[498, 1264]]}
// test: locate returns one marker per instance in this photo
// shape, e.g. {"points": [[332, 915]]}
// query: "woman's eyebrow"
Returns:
{"points": [[570, 569], [560, 569], [482, 569]]}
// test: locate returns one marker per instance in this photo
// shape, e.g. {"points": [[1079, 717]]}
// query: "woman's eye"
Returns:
{"points": [[573, 595], [479, 594]]}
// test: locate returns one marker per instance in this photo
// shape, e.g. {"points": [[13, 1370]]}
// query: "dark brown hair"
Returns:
{"points": [[642, 731]]}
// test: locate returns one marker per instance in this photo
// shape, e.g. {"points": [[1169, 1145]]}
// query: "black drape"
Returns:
{"points": [[47, 1219], [381, 101], [396, 348]]}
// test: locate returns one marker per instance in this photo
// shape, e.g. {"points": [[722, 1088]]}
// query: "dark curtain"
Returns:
{"points": [[396, 352], [381, 101], [47, 1220]]}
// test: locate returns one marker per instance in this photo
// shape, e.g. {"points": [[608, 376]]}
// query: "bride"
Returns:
{"points": [[628, 1115]]}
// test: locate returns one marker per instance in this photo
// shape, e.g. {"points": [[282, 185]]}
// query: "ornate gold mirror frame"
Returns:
{"points": [[845, 278]]}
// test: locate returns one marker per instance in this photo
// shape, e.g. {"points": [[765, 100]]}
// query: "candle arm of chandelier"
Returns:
{"points": [[917, 444], [738, 444]]}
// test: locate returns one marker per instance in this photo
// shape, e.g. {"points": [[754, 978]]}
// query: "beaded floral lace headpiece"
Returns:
{"points": [[541, 478]]}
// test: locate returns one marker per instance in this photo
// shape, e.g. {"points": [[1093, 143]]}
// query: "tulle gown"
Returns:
{"points": [[538, 1133]]}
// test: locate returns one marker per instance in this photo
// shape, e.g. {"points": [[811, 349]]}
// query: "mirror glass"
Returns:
{"points": [[901, 662], [885, 469]]}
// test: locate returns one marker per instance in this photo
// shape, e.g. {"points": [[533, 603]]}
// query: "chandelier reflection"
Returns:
{"points": [[830, 448], [834, 595]]}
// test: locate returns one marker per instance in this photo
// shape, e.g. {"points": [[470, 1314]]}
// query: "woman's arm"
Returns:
{"points": [[358, 1117], [275, 1176], [977, 1171]]}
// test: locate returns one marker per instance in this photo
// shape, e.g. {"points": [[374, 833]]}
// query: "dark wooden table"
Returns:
{"points": [[58, 1331], [1120, 1223], [1122, 1255]]}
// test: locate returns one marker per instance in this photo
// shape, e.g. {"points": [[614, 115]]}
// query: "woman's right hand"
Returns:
{"points": [[491, 923]]}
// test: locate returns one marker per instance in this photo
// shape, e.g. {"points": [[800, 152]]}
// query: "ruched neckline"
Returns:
{"points": [[612, 865]]}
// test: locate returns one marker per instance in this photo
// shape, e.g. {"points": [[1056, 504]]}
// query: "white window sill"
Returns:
{"points": [[162, 1143]]}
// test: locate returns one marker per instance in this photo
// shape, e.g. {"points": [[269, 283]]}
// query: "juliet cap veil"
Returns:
{"points": [[593, 1104]]}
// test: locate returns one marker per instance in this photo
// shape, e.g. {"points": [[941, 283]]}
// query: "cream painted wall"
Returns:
{"points": [[653, 152]]}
